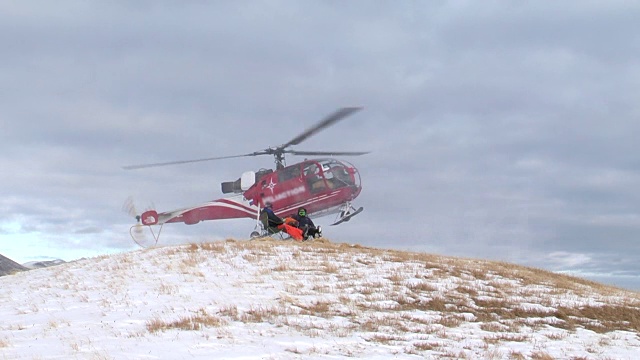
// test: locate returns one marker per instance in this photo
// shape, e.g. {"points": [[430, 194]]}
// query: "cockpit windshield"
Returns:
{"points": [[327, 174]]}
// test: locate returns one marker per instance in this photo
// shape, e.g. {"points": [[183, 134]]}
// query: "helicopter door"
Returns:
{"points": [[290, 185], [313, 177]]}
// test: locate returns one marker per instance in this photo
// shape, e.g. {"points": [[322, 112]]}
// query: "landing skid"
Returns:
{"points": [[139, 237], [347, 215]]}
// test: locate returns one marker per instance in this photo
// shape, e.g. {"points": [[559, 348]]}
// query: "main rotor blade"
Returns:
{"points": [[328, 121], [134, 167], [327, 153]]}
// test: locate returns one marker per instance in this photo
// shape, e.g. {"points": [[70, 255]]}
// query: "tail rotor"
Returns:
{"points": [[129, 208], [137, 231]]}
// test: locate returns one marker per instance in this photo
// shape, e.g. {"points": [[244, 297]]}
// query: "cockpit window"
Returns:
{"points": [[326, 174], [311, 169], [336, 174]]}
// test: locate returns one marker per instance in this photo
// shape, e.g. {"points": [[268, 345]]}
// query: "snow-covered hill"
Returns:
{"points": [[281, 300], [43, 263]]}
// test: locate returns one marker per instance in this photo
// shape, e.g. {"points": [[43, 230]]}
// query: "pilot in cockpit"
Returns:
{"points": [[312, 174]]}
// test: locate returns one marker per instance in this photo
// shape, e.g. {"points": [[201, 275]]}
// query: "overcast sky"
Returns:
{"points": [[497, 129]]}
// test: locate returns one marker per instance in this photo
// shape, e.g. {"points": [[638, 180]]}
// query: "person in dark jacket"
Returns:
{"points": [[269, 218], [273, 223], [307, 226]]}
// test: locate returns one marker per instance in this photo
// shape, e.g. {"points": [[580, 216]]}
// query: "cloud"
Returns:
{"points": [[561, 259], [497, 130]]}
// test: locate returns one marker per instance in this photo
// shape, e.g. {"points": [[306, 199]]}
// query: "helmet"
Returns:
{"points": [[302, 211], [268, 204]]}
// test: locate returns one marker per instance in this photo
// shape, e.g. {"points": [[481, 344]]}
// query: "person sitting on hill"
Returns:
{"points": [[307, 226], [274, 224]]}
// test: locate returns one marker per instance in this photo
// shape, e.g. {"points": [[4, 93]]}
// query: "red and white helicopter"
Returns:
{"points": [[323, 186]]}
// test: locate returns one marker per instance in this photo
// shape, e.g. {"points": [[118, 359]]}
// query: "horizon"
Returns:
{"points": [[594, 277]]}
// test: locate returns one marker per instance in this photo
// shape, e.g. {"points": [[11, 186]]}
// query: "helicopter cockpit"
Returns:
{"points": [[330, 174]]}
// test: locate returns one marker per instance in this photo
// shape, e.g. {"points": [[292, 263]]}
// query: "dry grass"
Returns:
{"points": [[494, 339], [451, 320], [281, 267], [193, 322], [317, 308], [258, 314], [230, 311], [604, 318], [493, 327], [428, 346], [422, 287], [540, 355], [165, 289], [330, 267]]}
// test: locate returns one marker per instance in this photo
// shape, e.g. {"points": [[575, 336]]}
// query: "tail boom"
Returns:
{"points": [[227, 208]]}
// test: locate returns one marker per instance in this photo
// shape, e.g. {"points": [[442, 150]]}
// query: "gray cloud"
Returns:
{"points": [[498, 130]]}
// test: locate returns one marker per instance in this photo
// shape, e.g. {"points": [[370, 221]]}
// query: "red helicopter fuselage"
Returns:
{"points": [[320, 186]]}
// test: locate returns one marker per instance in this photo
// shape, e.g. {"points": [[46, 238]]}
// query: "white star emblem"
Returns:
{"points": [[271, 185]]}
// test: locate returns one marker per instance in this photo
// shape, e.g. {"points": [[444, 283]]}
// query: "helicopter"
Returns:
{"points": [[323, 186]]}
